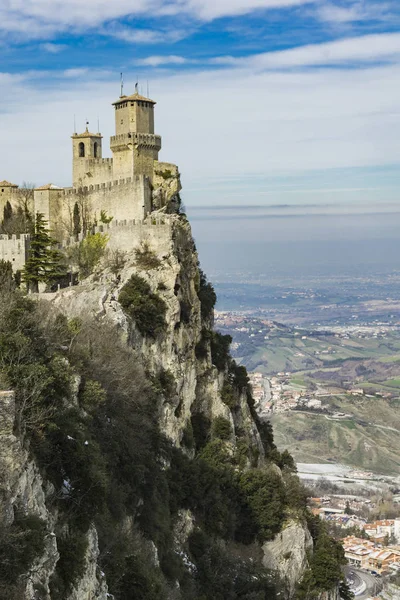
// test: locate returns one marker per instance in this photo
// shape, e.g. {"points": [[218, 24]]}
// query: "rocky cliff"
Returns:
{"points": [[132, 445]]}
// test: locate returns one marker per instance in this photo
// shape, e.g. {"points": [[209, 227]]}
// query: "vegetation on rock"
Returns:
{"points": [[146, 308]]}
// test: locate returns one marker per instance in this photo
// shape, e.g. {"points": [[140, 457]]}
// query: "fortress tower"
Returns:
{"points": [[135, 147], [86, 149]]}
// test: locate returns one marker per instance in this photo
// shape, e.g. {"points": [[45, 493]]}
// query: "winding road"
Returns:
{"points": [[362, 584]]}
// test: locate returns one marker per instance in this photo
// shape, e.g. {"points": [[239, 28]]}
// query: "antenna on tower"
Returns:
{"points": [[136, 87], [148, 93], [98, 125], [75, 124], [122, 85]]}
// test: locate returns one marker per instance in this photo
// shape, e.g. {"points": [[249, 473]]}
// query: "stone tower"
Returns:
{"points": [[135, 147], [86, 149], [8, 193]]}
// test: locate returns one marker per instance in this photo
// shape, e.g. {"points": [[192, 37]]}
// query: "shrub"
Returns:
{"points": [[220, 350], [88, 253], [188, 436], [265, 494], [20, 544], [167, 383], [201, 349], [116, 261], [207, 296], [6, 275], [146, 258], [201, 426], [72, 562], [144, 307], [221, 428], [229, 396]]}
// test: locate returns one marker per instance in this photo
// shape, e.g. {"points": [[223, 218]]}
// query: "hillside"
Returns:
{"points": [[133, 463]]}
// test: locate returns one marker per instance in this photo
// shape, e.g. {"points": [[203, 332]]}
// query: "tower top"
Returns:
{"points": [[136, 97], [86, 134]]}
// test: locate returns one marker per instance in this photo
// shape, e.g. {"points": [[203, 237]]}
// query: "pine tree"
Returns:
{"points": [[44, 263], [7, 213], [77, 220]]}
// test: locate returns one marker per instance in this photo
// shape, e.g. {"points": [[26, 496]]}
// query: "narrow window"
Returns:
{"points": [[95, 149], [81, 150]]}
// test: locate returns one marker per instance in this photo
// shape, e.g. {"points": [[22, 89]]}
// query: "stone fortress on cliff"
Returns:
{"points": [[127, 187]]}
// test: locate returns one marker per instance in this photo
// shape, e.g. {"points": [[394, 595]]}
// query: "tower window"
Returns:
{"points": [[95, 149], [81, 149]]}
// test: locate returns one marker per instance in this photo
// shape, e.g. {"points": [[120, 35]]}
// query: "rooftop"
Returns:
{"points": [[7, 184], [49, 186], [86, 134], [134, 97]]}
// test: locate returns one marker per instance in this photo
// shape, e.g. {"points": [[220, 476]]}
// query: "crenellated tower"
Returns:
{"points": [[135, 146], [86, 152]]}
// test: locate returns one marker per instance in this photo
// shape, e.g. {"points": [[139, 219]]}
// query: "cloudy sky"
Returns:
{"points": [[258, 101]]}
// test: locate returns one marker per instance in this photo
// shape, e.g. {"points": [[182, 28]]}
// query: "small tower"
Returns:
{"points": [[86, 147], [135, 147], [8, 193]]}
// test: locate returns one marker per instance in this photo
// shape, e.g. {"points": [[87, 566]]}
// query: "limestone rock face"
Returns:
{"points": [[22, 488], [93, 583], [287, 554]]}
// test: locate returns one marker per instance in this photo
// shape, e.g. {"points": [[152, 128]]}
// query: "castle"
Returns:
{"points": [[127, 187]]}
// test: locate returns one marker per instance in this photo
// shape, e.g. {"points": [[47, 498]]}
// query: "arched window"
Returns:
{"points": [[95, 149], [81, 150]]}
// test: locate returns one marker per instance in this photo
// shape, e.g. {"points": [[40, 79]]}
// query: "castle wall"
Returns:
{"points": [[125, 199], [127, 235], [92, 171], [14, 249]]}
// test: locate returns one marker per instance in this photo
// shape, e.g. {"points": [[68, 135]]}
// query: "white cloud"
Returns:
{"points": [[157, 61], [215, 124], [354, 11], [53, 48], [368, 48], [43, 19]]}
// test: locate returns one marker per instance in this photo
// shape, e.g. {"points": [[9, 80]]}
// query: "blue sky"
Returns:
{"points": [[259, 101]]}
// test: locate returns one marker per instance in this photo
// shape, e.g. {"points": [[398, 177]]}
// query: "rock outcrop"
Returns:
{"points": [[288, 554]]}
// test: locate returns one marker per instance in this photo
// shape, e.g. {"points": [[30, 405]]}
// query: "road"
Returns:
{"points": [[356, 578]]}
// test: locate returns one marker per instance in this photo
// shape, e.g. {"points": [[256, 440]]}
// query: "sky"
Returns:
{"points": [[258, 101]]}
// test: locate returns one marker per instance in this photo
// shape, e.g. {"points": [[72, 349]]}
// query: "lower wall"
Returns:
{"points": [[15, 249]]}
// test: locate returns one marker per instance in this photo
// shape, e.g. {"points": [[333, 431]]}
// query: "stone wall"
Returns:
{"points": [[127, 235], [121, 199], [15, 248]]}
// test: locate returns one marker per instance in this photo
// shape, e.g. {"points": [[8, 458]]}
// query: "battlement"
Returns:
{"points": [[100, 161], [101, 186], [15, 237], [141, 139], [127, 235]]}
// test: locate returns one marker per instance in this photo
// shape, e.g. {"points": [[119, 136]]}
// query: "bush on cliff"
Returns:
{"points": [[207, 296], [145, 308]]}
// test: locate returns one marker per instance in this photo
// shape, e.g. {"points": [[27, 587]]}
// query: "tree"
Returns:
{"points": [[76, 220], [6, 276], [88, 253], [45, 262], [7, 212]]}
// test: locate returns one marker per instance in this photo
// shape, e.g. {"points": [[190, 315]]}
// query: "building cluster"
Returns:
{"points": [[127, 187], [373, 557], [274, 394]]}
